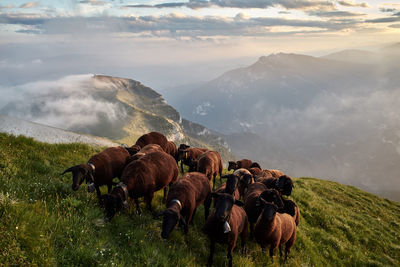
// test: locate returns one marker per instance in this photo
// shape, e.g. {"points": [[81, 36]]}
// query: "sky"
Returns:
{"points": [[170, 43]]}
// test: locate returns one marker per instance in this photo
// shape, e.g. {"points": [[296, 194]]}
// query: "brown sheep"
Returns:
{"points": [[264, 174], [189, 157], [100, 170], [145, 150], [210, 164], [244, 163], [149, 138], [172, 150], [274, 229], [224, 225], [290, 207], [230, 187], [276, 173], [245, 179], [252, 198], [141, 178], [284, 184], [184, 197], [255, 171]]}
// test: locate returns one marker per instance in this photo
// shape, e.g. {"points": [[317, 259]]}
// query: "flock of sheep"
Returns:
{"points": [[250, 197]]}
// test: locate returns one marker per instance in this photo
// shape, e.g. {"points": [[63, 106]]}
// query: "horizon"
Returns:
{"points": [[171, 43]]}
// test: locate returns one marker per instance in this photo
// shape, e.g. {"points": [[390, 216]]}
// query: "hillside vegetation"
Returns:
{"points": [[43, 222]]}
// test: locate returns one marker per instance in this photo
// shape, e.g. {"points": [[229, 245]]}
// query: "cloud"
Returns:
{"points": [[288, 4], [29, 5], [387, 10], [93, 2], [352, 4], [72, 102], [396, 26], [171, 25], [6, 7], [335, 14]]}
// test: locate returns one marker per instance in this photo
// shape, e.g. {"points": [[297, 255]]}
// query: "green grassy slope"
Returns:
{"points": [[43, 222]]}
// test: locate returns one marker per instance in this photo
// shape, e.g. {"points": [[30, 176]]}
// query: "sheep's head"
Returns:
{"points": [[232, 165], [170, 220], [244, 182], [79, 174], [269, 210], [133, 149], [284, 184], [255, 165], [271, 195], [112, 204], [183, 154], [231, 183], [223, 205]]}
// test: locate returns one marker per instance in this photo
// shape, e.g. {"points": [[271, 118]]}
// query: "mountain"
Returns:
{"points": [[354, 56], [48, 134], [115, 108], [308, 116], [44, 223]]}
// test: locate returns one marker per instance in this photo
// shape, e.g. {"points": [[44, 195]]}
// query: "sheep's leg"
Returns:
{"points": [[109, 187], [280, 251], [243, 236], [207, 204], [165, 195], [271, 253], [148, 198], [190, 217], [289, 244], [182, 166], [212, 248], [137, 205], [229, 256], [98, 194], [251, 230]]}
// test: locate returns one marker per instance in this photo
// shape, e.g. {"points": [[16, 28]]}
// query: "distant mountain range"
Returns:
{"points": [[115, 108], [335, 116]]}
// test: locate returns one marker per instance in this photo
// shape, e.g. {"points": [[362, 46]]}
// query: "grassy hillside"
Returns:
{"points": [[43, 222]]}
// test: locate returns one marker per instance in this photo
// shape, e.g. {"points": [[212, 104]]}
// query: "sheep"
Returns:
{"points": [[184, 197], [276, 173], [284, 184], [210, 164], [255, 165], [290, 207], [142, 177], [275, 229], [172, 150], [189, 156], [145, 150], [230, 187], [226, 222], [264, 174], [251, 201], [244, 163], [100, 170], [245, 179], [255, 171], [149, 138]]}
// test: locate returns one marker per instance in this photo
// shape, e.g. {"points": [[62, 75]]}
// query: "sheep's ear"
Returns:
{"points": [[70, 169], [239, 203]]}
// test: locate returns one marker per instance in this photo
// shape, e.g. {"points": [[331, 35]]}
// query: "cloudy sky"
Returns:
{"points": [[167, 43]]}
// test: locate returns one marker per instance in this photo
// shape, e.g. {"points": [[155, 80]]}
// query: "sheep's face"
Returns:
{"points": [[244, 183], [232, 165], [272, 196], [285, 185], [112, 204], [223, 206], [269, 210], [170, 219], [231, 184]]}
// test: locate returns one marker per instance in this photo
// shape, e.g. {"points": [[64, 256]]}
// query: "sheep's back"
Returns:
{"points": [[152, 138], [109, 163]]}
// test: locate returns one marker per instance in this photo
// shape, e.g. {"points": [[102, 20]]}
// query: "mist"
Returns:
{"points": [[71, 103]]}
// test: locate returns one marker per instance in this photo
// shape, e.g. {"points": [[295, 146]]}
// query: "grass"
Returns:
{"points": [[44, 223]]}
